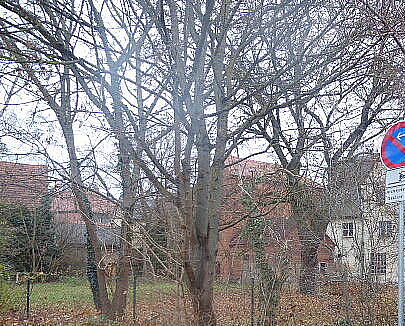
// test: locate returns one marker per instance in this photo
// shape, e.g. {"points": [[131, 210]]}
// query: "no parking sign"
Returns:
{"points": [[393, 156], [393, 146]]}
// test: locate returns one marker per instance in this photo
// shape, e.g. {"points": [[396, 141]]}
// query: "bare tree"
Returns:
{"points": [[58, 38], [317, 117], [174, 86], [188, 62]]}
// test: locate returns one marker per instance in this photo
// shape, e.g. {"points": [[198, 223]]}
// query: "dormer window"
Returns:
{"points": [[348, 229]]}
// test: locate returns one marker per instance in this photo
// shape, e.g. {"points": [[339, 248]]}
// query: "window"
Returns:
{"points": [[348, 230], [323, 268], [385, 228], [378, 263], [102, 218]]}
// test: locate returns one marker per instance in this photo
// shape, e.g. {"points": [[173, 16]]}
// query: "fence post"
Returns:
{"points": [[134, 298], [252, 302], [28, 296]]}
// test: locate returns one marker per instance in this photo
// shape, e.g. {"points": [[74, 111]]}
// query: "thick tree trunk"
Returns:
{"points": [[309, 264], [119, 301], [200, 274], [204, 310], [269, 297], [202, 297], [203, 240], [310, 214], [200, 270], [273, 300]]}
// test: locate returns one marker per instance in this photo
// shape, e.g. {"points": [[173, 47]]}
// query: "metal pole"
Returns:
{"points": [[401, 265], [28, 296], [252, 302], [134, 299]]}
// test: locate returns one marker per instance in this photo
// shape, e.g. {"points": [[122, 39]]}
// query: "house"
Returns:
{"points": [[363, 227], [71, 229], [27, 185], [236, 259]]}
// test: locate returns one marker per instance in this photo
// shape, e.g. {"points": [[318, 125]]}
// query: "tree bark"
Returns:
{"points": [[309, 264], [202, 295], [309, 211], [91, 272]]}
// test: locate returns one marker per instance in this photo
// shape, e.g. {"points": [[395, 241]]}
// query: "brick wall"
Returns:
{"points": [[234, 255]]}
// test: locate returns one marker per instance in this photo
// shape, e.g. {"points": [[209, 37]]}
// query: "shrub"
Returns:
{"points": [[11, 298]]}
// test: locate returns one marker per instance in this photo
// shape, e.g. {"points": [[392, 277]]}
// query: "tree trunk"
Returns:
{"points": [[91, 271], [95, 276], [309, 264], [202, 297], [203, 309], [309, 210], [119, 301], [270, 300]]}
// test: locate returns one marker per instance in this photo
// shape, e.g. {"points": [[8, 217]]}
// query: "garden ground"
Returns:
{"points": [[69, 302]]}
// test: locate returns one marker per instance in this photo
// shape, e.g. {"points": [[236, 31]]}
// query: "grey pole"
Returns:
{"points": [[401, 265]]}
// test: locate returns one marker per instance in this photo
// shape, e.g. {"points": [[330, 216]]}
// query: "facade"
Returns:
{"points": [[236, 260], [363, 227]]}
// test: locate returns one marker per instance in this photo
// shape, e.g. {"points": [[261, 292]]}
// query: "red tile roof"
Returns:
{"points": [[247, 167], [23, 184]]}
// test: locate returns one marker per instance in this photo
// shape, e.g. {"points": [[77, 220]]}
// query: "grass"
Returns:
{"points": [[69, 302], [70, 290], [76, 290], [10, 297]]}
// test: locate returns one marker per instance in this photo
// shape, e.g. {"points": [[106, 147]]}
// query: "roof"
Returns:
{"points": [[346, 184], [247, 167], [66, 208], [69, 221], [23, 184]]}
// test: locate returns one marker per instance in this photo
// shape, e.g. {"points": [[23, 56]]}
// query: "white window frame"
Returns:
{"points": [[378, 263], [347, 232]]}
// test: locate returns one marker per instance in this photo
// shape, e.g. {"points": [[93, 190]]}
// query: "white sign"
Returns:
{"points": [[395, 185]]}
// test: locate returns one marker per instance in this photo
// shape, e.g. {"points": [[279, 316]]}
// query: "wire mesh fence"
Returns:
{"points": [[159, 301]]}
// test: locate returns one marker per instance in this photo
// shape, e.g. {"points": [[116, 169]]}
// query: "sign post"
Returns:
{"points": [[393, 156], [401, 265]]}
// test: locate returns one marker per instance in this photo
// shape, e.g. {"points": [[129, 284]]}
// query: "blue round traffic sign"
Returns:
{"points": [[393, 146]]}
